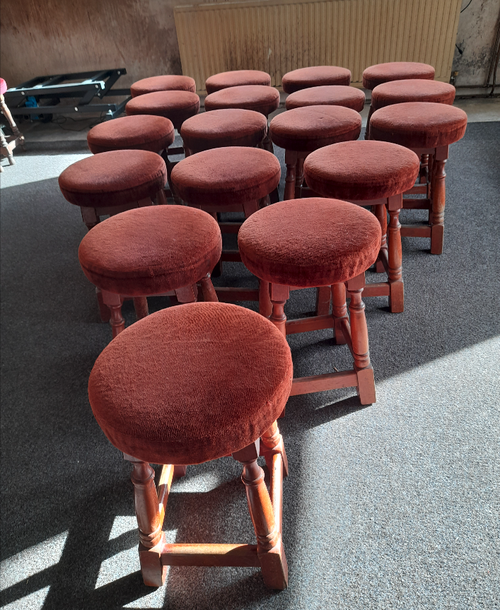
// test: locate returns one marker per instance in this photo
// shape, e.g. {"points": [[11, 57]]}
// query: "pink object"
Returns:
{"points": [[3, 86]]}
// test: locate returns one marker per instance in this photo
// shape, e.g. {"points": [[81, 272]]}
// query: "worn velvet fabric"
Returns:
{"points": [[315, 76], [418, 124], [226, 176], [361, 170], [151, 250], [331, 95], [113, 178], [309, 242], [261, 98], [412, 90], [191, 383], [311, 127], [169, 82], [228, 127], [174, 105], [396, 70], [235, 78], [140, 132]]}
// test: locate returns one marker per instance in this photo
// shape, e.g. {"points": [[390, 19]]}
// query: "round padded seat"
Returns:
{"points": [[418, 124], [169, 82], [330, 95], [228, 127], [151, 250], [412, 90], [155, 390], [361, 170], [396, 70], [174, 105], [261, 98], [235, 78], [141, 132], [315, 76], [309, 242], [311, 127], [226, 176], [113, 178]]}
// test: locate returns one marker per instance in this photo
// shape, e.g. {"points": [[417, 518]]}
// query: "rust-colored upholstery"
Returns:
{"points": [[412, 90], [113, 178], [361, 170], [191, 384], [228, 127], [140, 132], [396, 70], [168, 82], [174, 105], [311, 127], [235, 78], [261, 98], [309, 242], [331, 95], [226, 176], [151, 250], [315, 76], [418, 124]]}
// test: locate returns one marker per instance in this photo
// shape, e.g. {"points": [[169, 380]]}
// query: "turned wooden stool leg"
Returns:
{"points": [[208, 290], [186, 294], [141, 307], [104, 311], [367, 132], [114, 302], [269, 544], [265, 305], [323, 300], [279, 296], [380, 212], [424, 175], [291, 174], [299, 177], [395, 264], [436, 217], [273, 450], [272, 443], [339, 312]]}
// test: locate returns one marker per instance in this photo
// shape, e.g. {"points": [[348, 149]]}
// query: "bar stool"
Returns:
{"points": [[216, 400], [427, 128], [329, 95], [303, 130], [306, 243], [235, 78], [315, 76], [167, 82], [174, 105], [373, 174], [151, 251]]}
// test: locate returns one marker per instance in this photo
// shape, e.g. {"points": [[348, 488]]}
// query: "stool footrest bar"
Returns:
{"points": [[416, 230], [234, 295], [377, 289], [243, 555], [302, 325], [321, 383], [416, 204]]}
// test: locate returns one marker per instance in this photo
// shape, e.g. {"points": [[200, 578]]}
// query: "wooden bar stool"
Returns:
{"points": [[216, 400], [167, 82], [329, 95], [303, 243], [315, 76], [373, 174], [235, 78], [303, 130], [427, 128], [151, 251]]}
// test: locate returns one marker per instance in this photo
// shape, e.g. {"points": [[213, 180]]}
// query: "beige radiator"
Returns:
{"points": [[280, 36]]}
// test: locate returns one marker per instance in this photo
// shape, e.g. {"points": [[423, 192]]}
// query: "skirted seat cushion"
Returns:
{"points": [[419, 124], [226, 176], [168, 82], [396, 70], [331, 95], [174, 105], [311, 127], [151, 250], [234, 78], [261, 98], [229, 127], [113, 178], [412, 90], [190, 384], [141, 132], [309, 242], [315, 76], [361, 170]]}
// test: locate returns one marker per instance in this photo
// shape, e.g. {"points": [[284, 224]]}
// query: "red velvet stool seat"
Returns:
{"points": [[329, 95], [177, 389], [228, 127], [373, 174], [174, 105], [334, 247], [302, 130], [235, 78], [167, 82], [151, 251], [315, 76], [427, 128]]}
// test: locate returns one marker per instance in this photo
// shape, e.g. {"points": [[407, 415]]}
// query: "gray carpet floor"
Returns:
{"points": [[391, 506]]}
